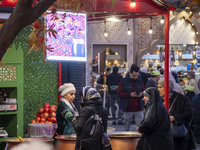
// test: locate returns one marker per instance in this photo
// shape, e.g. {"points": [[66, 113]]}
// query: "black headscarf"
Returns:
{"points": [[156, 124], [153, 106]]}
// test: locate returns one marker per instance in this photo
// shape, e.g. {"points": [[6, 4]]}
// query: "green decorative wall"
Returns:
{"points": [[40, 79]]}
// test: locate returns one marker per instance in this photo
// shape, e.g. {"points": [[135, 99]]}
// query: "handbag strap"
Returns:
{"points": [[173, 103]]}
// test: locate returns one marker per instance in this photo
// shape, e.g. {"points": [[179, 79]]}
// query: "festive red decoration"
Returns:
{"points": [[9, 3]]}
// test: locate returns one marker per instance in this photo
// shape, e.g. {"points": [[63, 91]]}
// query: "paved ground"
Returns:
{"points": [[132, 128]]}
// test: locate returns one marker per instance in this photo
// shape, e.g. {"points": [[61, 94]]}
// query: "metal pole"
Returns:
{"points": [[104, 97]]}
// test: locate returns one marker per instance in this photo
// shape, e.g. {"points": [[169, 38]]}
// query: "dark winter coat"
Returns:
{"points": [[182, 112], [64, 123], [112, 82], [151, 83], [196, 109], [145, 77], [100, 79], [190, 95], [156, 125], [87, 110]]}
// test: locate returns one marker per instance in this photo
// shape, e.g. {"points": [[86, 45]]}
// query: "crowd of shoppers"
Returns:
{"points": [[145, 107]]}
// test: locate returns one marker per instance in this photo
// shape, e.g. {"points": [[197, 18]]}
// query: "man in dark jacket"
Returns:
{"points": [[112, 82], [101, 79], [130, 93]]}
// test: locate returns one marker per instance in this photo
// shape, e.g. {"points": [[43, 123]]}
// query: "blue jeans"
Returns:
{"points": [[112, 105]]}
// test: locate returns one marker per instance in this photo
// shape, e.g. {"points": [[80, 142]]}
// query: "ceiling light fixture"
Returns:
{"points": [[105, 32], [133, 4], [113, 19]]}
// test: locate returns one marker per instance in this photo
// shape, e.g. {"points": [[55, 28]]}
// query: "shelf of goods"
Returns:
{"points": [[11, 81]]}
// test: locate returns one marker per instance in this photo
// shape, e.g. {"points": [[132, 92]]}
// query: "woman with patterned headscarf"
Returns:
{"points": [[155, 128], [180, 112], [91, 103]]}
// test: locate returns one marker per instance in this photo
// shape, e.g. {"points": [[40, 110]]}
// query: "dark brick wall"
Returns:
{"points": [[74, 72]]}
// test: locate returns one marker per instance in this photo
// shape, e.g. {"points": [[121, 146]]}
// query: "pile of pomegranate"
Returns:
{"points": [[47, 114]]}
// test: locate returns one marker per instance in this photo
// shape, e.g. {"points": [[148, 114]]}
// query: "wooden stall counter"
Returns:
{"points": [[65, 142], [124, 140]]}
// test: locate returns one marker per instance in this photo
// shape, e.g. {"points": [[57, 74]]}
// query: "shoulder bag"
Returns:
{"points": [[178, 130]]}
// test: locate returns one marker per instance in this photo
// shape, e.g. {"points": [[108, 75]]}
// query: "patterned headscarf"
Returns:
{"points": [[88, 93], [191, 74], [171, 85]]}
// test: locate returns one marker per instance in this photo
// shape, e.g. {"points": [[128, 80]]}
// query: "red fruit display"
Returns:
{"points": [[41, 115], [53, 108], [53, 119], [41, 110], [42, 119], [52, 114], [46, 110], [46, 115], [38, 114], [37, 119], [33, 121], [46, 105]]}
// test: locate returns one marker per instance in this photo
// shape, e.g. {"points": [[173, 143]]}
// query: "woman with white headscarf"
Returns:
{"points": [[180, 112], [66, 110], [91, 104]]}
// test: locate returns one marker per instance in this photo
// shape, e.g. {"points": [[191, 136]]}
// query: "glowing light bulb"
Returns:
{"points": [[129, 31], [133, 4], [105, 34], [150, 30]]}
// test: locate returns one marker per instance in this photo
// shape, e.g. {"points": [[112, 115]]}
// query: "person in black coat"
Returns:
{"points": [[196, 120], [180, 112], [155, 128], [112, 82], [189, 92], [91, 104]]}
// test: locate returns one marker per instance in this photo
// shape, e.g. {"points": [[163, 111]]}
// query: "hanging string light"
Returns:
{"points": [[129, 31], [105, 32], [162, 20], [150, 29]]}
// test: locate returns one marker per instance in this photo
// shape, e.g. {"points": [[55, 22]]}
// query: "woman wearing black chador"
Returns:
{"points": [[155, 128]]}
